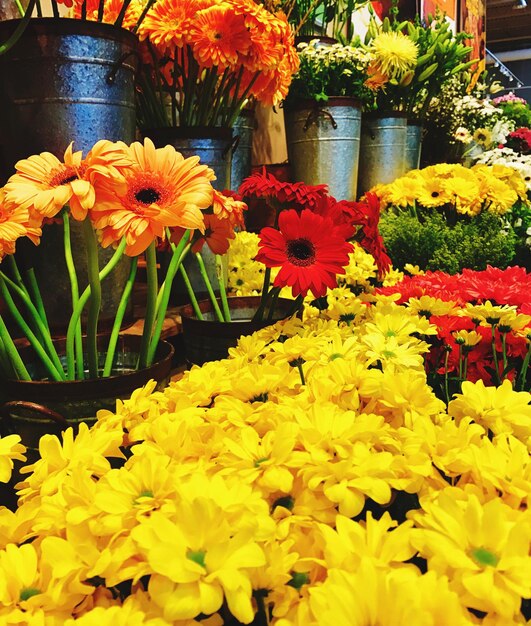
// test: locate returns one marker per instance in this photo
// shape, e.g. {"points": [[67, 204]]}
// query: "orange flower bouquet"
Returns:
{"points": [[203, 60], [130, 197]]}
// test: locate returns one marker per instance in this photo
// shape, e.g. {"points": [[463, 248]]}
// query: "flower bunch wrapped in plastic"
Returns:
{"points": [[312, 479], [129, 198], [203, 61], [450, 217]]}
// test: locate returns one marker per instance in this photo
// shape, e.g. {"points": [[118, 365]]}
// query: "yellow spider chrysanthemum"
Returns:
{"points": [[394, 53]]}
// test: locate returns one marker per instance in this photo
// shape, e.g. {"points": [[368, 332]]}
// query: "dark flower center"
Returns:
{"points": [[434, 194], [301, 252], [147, 195], [68, 179]]}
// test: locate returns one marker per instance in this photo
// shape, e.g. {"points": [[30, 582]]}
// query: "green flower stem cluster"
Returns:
{"points": [[441, 55]]}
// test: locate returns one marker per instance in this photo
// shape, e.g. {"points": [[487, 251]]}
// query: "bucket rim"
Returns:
{"points": [[96, 387], [170, 133], [64, 26], [333, 101]]}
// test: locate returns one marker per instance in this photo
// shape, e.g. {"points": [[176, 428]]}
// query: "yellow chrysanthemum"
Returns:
{"points": [[394, 53]]}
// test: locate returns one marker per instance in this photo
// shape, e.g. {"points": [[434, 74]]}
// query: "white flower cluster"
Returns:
{"points": [[336, 55], [509, 158]]}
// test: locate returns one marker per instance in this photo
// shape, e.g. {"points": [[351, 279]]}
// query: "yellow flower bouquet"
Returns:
{"points": [[450, 217]]}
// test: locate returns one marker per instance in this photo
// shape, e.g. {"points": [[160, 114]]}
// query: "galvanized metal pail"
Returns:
{"points": [[414, 134], [66, 80], [243, 140], [323, 144], [214, 147], [382, 150]]}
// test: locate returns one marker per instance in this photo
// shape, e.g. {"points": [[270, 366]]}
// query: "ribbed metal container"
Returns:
{"points": [[66, 80], [413, 144], [323, 144], [243, 140], [214, 147], [382, 151]]}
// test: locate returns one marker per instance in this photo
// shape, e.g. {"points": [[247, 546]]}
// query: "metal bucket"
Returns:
{"points": [[243, 151], [323, 144], [214, 147], [66, 80], [414, 134], [210, 340], [382, 150]]}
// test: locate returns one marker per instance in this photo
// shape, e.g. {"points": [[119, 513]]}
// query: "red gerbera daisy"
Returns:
{"points": [[308, 249]]}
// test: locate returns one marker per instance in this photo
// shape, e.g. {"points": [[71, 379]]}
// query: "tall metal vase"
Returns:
{"points": [[66, 80], [414, 133], [214, 146], [243, 148], [382, 150], [323, 144]]}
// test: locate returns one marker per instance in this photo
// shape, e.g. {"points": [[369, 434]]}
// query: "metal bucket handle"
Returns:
{"points": [[232, 146], [5, 414], [111, 76], [314, 115]]}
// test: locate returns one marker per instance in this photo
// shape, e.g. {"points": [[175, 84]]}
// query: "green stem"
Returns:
{"points": [[120, 313], [44, 336], [21, 27], [179, 253], [148, 6], [5, 363], [20, 8], [504, 352], [222, 288], [495, 355], [446, 390], [95, 297], [465, 366], [191, 294], [151, 303], [259, 315], [83, 298], [74, 293], [17, 277], [460, 363], [273, 303], [520, 381], [301, 372], [24, 327], [208, 285], [12, 352], [35, 294]]}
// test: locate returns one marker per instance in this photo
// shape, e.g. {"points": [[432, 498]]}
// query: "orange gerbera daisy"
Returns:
{"points": [[228, 208], [167, 23], [45, 185], [15, 222], [160, 189], [218, 36]]}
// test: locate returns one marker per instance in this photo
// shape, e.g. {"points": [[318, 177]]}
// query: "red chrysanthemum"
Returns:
{"points": [[308, 249]]}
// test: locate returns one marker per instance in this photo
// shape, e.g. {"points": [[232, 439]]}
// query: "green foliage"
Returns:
{"points": [[518, 112], [433, 244]]}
